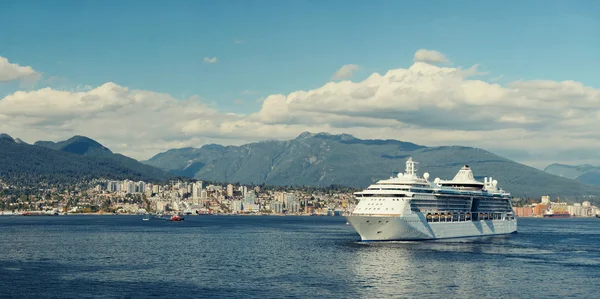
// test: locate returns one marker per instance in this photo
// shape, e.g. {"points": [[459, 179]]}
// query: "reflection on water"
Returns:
{"points": [[476, 267]]}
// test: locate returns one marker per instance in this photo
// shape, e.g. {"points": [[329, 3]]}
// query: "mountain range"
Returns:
{"points": [[76, 159], [585, 173], [322, 159], [309, 160]]}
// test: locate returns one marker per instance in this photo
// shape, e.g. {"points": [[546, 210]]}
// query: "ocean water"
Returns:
{"points": [[287, 257]]}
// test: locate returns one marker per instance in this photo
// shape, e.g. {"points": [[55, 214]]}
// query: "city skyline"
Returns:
{"points": [[515, 79]]}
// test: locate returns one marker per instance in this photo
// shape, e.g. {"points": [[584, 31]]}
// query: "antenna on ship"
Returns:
{"points": [[410, 167]]}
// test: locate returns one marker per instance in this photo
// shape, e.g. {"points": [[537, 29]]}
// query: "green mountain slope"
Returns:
{"points": [[79, 145], [323, 159], [24, 164]]}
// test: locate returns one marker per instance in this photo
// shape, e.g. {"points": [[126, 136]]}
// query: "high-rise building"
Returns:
{"points": [[113, 186], [293, 207], [230, 190], [129, 186], [236, 206], [197, 189], [289, 198], [250, 197], [276, 206], [141, 187]]}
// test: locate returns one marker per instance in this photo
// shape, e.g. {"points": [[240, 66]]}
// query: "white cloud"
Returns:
{"points": [[535, 121], [345, 72], [12, 71], [210, 60], [430, 56]]}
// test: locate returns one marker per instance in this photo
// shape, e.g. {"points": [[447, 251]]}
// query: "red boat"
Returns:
{"points": [[176, 218]]}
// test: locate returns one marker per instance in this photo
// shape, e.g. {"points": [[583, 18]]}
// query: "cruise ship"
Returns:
{"points": [[408, 208]]}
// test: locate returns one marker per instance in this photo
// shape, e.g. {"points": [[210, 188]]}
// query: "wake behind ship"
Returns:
{"points": [[408, 207]]}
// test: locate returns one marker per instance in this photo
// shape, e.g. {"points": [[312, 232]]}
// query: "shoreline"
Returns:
{"points": [[192, 215]]}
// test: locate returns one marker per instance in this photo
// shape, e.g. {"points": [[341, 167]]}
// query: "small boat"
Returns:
{"points": [[176, 218], [146, 217]]}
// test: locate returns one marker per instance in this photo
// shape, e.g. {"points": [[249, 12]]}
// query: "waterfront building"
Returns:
{"points": [[293, 207], [539, 209], [546, 199], [523, 211], [276, 207], [236, 206]]}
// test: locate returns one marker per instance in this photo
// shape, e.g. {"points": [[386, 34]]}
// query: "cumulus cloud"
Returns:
{"points": [[430, 56], [210, 60], [113, 114], [345, 72], [534, 121], [12, 71], [435, 105]]}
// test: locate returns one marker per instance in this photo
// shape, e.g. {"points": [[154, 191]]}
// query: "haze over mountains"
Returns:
{"points": [[323, 159], [66, 162], [586, 173]]}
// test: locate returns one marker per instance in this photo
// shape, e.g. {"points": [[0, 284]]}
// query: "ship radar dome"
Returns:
{"points": [[400, 174], [494, 183], [437, 180], [426, 175]]}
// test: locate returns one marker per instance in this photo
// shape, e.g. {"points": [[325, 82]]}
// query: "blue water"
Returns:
{"points": [[292, 257]]}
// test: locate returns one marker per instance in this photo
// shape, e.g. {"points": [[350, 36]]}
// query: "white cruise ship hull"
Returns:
{"points": [[414, 227]]}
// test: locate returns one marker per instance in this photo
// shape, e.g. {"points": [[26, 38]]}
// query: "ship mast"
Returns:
{"points": [[410, 167]]}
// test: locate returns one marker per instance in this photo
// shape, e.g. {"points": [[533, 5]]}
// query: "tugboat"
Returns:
{"points": [[176, 218]]}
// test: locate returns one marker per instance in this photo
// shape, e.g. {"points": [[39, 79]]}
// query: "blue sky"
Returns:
{"points": [[281, 46], [264, 48]]}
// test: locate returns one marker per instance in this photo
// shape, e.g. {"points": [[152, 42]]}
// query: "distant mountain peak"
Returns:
{"points": [[342, 137], [19, 141], [305, 135], [6, 137], [77, 144]]}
